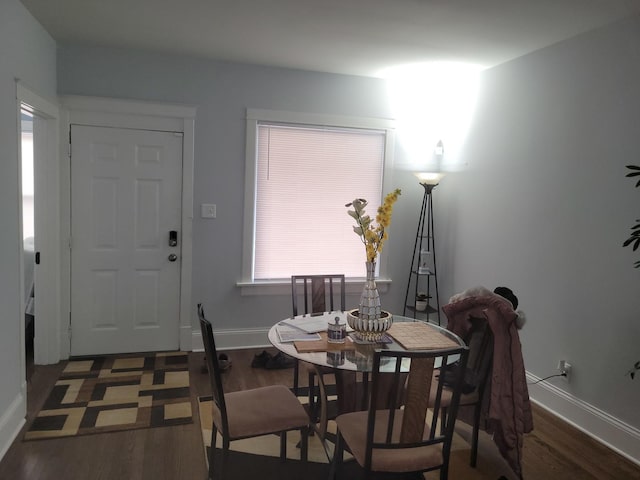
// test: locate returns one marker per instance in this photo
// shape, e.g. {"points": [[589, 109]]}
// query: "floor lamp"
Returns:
{"points": [[423, 271]]}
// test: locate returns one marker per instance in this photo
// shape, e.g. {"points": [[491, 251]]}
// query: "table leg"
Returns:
{"points": [[354, 396], [347, 391]]}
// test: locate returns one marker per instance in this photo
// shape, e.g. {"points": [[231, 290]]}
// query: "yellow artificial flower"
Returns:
{"points": [[372, 236]]}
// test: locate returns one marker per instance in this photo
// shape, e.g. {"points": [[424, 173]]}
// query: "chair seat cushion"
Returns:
{"points": [[353, 427], [261, 411]]}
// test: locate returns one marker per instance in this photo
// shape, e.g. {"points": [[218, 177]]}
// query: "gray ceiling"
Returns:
{"points": [[360, 37]]}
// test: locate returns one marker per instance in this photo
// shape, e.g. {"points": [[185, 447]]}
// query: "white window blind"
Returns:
{"points": [[304, 177]]}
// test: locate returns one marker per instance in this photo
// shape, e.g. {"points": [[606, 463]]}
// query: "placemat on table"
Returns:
{"points": [[419, 336], [323, 345]]}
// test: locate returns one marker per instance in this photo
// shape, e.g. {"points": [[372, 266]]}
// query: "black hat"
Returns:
{"points": [[508, 294]]}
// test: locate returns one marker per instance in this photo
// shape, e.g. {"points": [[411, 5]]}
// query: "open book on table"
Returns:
{"points": [[316, 322], [287, 334]]}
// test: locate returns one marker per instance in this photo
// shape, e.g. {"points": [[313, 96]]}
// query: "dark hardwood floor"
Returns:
{"points": [[554, 450]]}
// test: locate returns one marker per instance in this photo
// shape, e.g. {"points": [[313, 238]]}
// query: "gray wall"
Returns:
{"points": [[222, 92], [26, 52], [542, 205]]}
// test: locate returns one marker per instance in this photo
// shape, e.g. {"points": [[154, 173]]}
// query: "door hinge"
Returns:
{"points": [[69, 145]]}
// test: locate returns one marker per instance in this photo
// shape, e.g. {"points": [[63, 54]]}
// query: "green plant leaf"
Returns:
{"points": [[632, 240]]}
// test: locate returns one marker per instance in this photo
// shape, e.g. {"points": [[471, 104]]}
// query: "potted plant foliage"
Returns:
{"points": [[634, 241], [421, 301], [634, 238]]}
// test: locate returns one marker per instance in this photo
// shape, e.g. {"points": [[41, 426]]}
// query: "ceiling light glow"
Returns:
{"points": [[432, 102]]}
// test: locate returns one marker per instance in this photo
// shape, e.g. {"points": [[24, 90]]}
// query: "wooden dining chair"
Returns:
{"points": [[315, 294], [249, 413], [476, 376], [399, 433]]}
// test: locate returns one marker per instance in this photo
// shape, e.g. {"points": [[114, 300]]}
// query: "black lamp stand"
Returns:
{"points": [[423, 276]]}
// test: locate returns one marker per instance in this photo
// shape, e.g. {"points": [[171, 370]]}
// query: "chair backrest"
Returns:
{"points": [[415, 425], [211, 357], [317, 293], [480, 342]]}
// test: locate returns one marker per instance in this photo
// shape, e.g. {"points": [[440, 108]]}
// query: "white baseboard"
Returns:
{"points": [[186, 336], [598, 424], [12, 421], [234, 339]]}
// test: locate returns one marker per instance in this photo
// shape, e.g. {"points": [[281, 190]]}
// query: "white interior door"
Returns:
{"points": [[125, 274]]}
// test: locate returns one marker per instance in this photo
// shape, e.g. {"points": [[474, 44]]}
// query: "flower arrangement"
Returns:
{"points": [[373, 236]]}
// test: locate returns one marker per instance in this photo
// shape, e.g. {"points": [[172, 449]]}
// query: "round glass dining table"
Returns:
{"points": [[348, 358]]}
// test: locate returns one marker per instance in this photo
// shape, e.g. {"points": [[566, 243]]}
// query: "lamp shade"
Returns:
{"points": [[429, 178]]}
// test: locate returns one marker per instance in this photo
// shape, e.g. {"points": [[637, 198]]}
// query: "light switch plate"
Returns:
{"points": [[208, 210]]}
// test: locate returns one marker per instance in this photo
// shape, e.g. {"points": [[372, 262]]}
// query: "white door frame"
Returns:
{"points": [[46, 168], [117, 113]]}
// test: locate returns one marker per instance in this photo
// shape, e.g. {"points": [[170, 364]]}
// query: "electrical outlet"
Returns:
{"points": [[565, 369]]}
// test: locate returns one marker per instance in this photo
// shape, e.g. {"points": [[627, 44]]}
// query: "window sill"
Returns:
{"points": [[283, 287]]}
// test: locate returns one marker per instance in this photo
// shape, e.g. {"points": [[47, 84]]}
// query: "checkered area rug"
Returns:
{"points": [[113, 393]]}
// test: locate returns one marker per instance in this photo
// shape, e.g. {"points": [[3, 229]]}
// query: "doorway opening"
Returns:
{"points": [[28, 235], [39, 232]]}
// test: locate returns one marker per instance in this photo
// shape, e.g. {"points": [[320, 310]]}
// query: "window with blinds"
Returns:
{"points": [[304, 176]]}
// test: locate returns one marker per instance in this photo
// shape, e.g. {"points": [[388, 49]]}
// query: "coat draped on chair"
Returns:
{"points": [[509, 414]]}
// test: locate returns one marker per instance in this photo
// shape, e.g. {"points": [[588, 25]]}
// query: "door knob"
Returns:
{"points": [[173, 257]]}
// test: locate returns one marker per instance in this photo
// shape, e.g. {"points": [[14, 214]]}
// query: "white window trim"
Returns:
{"points": [[254, 116]]}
